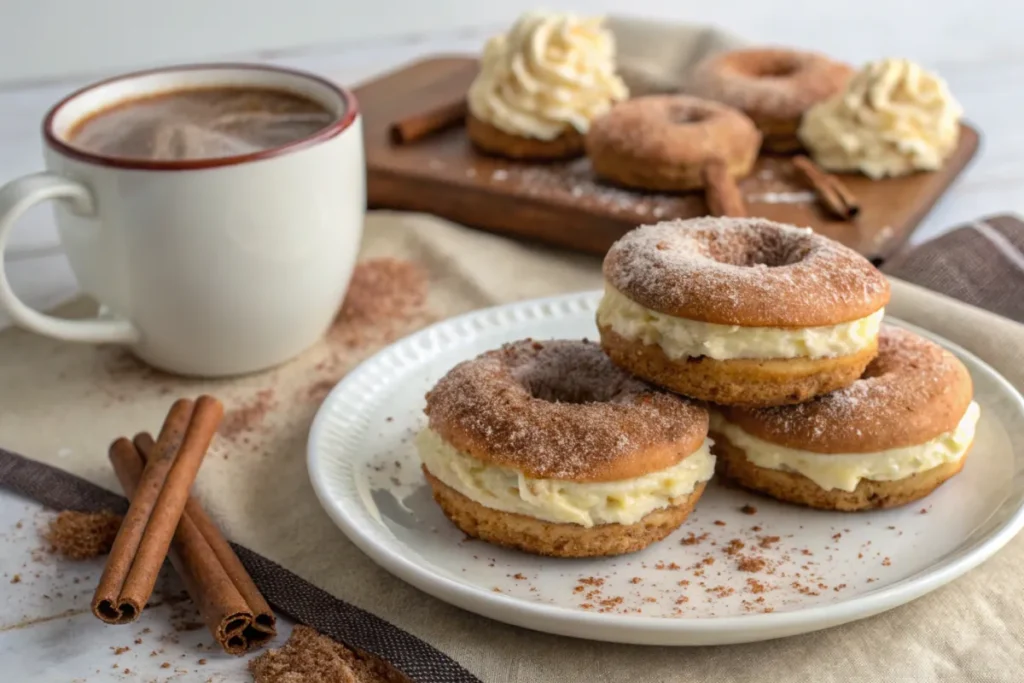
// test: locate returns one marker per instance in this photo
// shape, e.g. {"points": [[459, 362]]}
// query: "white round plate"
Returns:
{"points": [[811, 569]]}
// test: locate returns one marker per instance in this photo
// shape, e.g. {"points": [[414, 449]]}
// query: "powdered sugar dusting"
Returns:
{"points": [[912, 392], [576, 180], [558, 409], [744, 271]]}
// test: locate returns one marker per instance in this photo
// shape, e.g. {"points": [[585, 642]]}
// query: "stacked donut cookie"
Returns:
{"points": [[812, 400], [740, 346]]}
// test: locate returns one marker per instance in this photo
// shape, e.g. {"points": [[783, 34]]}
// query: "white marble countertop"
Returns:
{"points": [[985, 79]]}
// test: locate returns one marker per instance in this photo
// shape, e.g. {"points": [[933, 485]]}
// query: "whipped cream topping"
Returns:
{"points": [[844, 471], [893, 118], [585, 503], [682, 338], [550, 72]]}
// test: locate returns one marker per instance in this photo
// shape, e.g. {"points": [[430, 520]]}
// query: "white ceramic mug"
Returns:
{"points": [[208, 267]]}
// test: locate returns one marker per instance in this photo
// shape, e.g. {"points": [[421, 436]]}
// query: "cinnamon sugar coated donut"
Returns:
{"points": [[772, 86], [550, 448], [889, 438], [740, 311], [663, 142]]}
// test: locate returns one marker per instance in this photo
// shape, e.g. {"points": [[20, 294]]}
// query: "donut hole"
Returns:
{"points": [[561, 374], [761, 248], [774, 68], [682, 115]]}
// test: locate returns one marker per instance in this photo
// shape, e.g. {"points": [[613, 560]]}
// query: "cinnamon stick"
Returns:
{"points": [[232, 607], [835, 196], [160, 497], [721, 193], [426, 123]]}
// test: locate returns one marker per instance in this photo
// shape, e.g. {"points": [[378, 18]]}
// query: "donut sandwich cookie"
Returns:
{"points": [[548, 89], [741, 347]]}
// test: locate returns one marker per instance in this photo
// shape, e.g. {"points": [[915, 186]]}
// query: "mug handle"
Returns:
{"points": [[18, 196]]}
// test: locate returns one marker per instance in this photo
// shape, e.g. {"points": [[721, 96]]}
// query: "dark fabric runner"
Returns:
{"points": [[981, 263], [289, 594]]}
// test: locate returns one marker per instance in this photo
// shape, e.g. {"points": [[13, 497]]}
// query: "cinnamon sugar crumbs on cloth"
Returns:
{"points": [[82, 535], [248, 416], [385, 297], [311, 657]]}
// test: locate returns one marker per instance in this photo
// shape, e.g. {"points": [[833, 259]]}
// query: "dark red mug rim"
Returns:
{"points": [[326, 133]]}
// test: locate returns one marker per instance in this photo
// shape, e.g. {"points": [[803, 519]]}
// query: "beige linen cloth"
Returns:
{"points": [[62, 404]]}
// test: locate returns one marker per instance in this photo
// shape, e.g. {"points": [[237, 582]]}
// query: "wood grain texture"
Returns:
{"points": [[565, 205]]}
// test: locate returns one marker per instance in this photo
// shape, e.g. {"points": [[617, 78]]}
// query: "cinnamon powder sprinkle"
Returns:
{"points": [[635, 579], [735, 545], [82, 535], [591, 581], [751, 564], [385, 297], [755, 586], [311, 657], [694, 540], [719, 522], [248, 416], [768, 541], [748, 510]]}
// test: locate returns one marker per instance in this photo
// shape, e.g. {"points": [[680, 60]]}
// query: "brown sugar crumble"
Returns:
{"points": [[735, 545], [691, 539], [768, 541], [82, 535], [16, 578], [751, 564], [312, 657]]}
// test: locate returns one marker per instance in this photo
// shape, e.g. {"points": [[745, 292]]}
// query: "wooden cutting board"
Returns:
{"points": [[565, 205]]}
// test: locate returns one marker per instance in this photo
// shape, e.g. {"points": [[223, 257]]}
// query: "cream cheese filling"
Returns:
{"points": [[682, 338], [844, 471], [585, 503]]}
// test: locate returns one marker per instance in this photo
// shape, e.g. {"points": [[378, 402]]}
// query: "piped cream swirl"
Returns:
{"points": [[893, 118], [550, 72]]}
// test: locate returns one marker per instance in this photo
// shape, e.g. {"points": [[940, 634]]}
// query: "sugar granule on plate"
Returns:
{"points": [[311, 657], [82, 535]]}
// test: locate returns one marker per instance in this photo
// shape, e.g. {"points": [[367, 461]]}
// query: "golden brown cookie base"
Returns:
{"points": [[741, 381], [779, 136], [791, 487], [494, 141], [646, 175], [536, 536]]}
